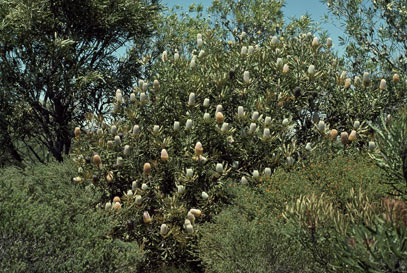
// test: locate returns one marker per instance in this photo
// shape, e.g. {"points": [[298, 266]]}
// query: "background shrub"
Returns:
{"points": [[50, 225]]}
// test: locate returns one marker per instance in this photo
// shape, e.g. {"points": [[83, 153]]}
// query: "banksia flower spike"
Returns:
{"points": [[180, 188], [219, 167], [113, 129], [198, 149], [188, 124], [134, 185], [191, 217], [290, 160], [147, 168], [108, 206], [136, 130], [109, 177], [274, 40], [286, 68], [143, 97], [126, 150], [164, 56], [321, 126], [206, 103], [191, 99], [192, 64], [204, 195], [133, 98], [225, 127], [347, 83], [255, 115], [119, 161], [196, 212], [256, 174], [396, 78], [285, 122], [144, 187], [383, 84], [308, 147], [207, 117], [243, 180], [352, 136], [96, 160], [116, 199], [189, 228], [344, 138], [329, 42], [164, 155], [199, 42], [146, 217], [357, 81], [129, 193], [246, 77], [252, 128], [219, 108], [240, 111], [333, 134], [266, 133], [119, 96], [201, 53], [164, 229], [189, 173], [138, 199], [219, 117], [250, 50], [315, 42], [156, 84], [117, 140], [366, 78], [343, 75], [243, 51], [267, 121], [372, 145], [117, 205], [77, 132], [356, 124], [176, 125], [280, 63], [311, 70], [267, 172]]}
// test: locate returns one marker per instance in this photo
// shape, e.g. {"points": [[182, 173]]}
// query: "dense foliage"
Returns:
{"points": [[58, 60], [49, 225], [245, 135]]}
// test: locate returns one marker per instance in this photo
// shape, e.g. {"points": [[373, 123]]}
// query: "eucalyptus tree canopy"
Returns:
{"points": [[60, 59]]}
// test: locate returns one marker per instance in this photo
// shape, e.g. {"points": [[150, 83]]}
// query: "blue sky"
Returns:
{"points": [[293, 8]]}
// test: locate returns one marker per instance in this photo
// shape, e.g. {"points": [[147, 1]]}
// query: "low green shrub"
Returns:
{"points": [[368, 236], [49, 224], [391, 151], [251, 234], [246, 237], [332, 176]]}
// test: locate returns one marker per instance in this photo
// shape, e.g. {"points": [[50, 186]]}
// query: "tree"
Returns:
{"points": [[58, 59], [375, 31]]}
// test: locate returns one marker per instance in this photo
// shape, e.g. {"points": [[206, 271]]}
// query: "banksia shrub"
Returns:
{"points": [[176, 145]]}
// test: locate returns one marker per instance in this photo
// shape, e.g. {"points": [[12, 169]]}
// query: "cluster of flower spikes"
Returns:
{"points": [[169, 155]]}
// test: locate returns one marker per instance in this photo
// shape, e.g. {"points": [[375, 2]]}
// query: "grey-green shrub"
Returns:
{"points": [[49, 224], [247, 237]]}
